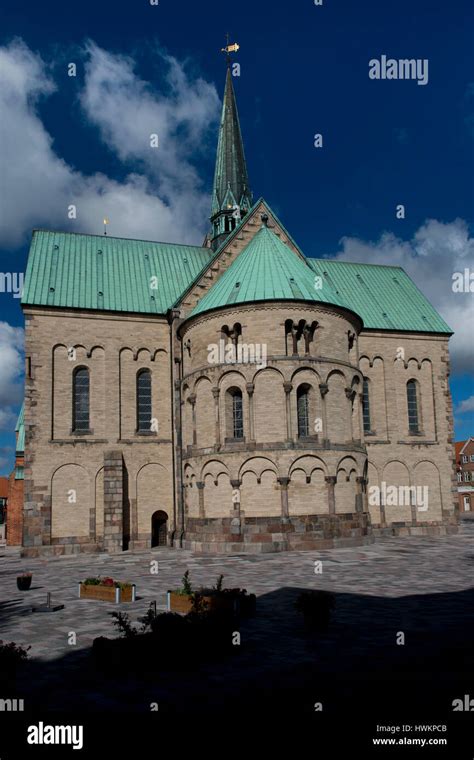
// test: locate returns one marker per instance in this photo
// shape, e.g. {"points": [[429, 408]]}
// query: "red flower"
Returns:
{"points": [[107, 581]]}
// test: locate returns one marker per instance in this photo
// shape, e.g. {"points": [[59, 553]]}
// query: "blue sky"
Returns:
{"points": [[304, 70]]}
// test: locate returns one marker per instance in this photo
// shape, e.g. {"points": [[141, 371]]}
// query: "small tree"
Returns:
{"points": [[187, 587]]}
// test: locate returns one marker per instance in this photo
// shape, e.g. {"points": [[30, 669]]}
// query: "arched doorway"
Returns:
{"points": [[159, 528]]}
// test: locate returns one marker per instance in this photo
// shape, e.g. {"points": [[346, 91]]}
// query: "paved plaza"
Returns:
{"points": [[419, 586]]}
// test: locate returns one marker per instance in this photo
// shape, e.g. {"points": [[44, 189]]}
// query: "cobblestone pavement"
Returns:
{"points": [[421, 586], [390, 568]]}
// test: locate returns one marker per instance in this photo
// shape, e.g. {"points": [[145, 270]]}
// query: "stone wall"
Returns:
{"points": [[64, 471], [397, 457]]}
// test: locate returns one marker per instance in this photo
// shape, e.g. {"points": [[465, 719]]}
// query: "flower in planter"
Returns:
{"points": [[107, 582], [26, 575], [92, 582]]}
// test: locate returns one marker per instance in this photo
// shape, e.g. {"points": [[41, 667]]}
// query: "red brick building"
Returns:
{"points": [[3, 507], [465, 474], [14, 523]]}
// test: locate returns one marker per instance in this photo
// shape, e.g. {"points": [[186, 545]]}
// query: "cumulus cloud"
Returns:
{"points": [[436, 251], [161, 198], [11, 373], [466, 406]]}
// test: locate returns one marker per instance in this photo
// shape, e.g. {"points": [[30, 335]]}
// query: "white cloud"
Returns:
{"points": [[164, 201], [436, 251], [11, 373], [466, 406]]}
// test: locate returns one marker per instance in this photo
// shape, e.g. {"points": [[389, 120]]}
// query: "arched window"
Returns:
{"points": [[144, 401], [234, 413], [302, 400], [413, 407], [366, 406], [80, 400]]}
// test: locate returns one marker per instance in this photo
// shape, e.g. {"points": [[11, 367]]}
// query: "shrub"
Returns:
{"points": [[186, 588], [122, 622], [11, 656]]}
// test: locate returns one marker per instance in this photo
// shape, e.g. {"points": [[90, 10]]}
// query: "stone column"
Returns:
{"points": [[323, 389], [192, 401], [383, 519], [215, 393], [331, 482], [236, 521], [113, 501], [200, 487], [413, 508], [250, 387], [360, 416], [285, 515], [350, 393], [288, 388], [359, 499]]}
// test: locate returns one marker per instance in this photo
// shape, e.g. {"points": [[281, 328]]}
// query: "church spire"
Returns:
{"points": [[231, 196]]}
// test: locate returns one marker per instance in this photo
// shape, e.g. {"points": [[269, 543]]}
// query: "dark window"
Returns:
{"points": [[412, 400], [80, 393], [303, 411], [237, 415], [366, 406], [144, 401]]}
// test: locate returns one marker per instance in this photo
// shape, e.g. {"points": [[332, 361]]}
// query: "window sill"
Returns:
{"points": [[81, 432], [146, 432]]}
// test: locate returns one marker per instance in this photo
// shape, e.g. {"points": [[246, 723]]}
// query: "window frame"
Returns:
{"points": [[412, 383], [366, 385], [85, 430], [143, 372], [303, 391]]}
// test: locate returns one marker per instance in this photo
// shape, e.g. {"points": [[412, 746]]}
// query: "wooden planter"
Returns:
{"points": [[107, 593], [183, 603]]}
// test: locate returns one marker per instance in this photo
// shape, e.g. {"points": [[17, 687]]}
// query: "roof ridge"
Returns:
{"points": [[116, 237]]}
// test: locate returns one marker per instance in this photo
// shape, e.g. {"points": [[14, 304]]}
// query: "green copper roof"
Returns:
{"points": [[107, 273], [266, 270], [385, 297], [231, 182], [67, 270], [20, 429]]}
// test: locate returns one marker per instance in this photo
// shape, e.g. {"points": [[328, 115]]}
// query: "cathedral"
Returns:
{"points": [[231, 397]]}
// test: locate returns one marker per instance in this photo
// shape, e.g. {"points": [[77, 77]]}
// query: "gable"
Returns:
{"points": [[267, 270], [234, 244]]}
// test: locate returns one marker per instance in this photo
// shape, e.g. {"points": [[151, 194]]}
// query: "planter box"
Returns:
{"points": [[183, 603], [179, 602], [107, 593]]}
